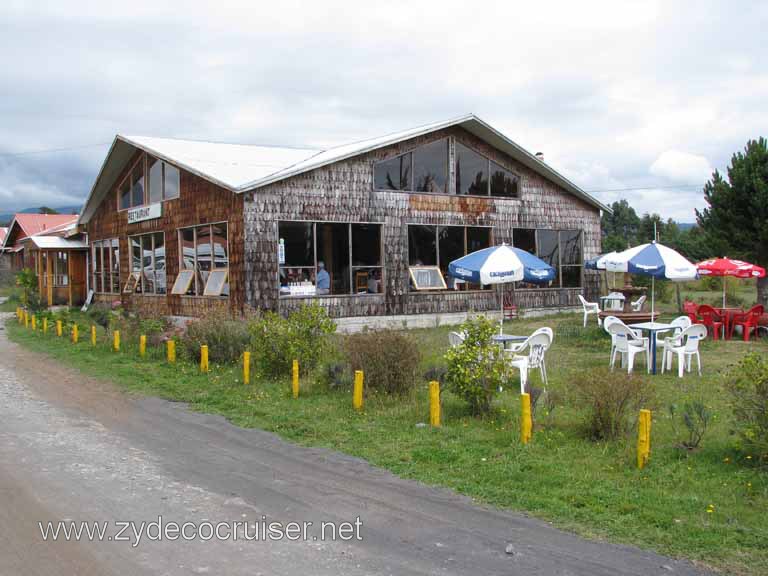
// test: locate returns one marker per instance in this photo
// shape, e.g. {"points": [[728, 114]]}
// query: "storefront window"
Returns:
{"points": [[147, 264], [204, 261], [561, 249], [105, 266], [329, 258]]}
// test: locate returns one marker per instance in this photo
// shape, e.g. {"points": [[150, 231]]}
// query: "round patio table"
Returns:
{"points": [[652, 328], [504, 339], [728, 313]]}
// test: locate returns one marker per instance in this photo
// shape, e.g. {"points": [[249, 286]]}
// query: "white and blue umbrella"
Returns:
{"points": [[500, 265], [599, 262], [654, 260]]}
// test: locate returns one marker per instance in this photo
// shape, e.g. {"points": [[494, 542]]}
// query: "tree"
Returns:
{"points": [[46, 210], [620, 228], [736, 221]]}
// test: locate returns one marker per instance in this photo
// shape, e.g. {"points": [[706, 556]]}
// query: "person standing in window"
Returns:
{"points": [[323, 279]]}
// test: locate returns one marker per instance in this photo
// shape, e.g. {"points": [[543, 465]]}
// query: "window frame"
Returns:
{"points": [[144, 157], [141, 281], [451, 175], [106, 268], [351, 268], [560, 264], [201, 293], [429, 288], [465, 229]]}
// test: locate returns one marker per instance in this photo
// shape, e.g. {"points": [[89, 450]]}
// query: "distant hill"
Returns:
{"points": [[6, 217], [686, 225]]}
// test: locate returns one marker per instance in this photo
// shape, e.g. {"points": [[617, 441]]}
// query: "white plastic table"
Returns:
{"points": [[504, 339], [652, 328]]}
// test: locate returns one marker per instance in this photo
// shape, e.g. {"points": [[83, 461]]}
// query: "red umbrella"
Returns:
{"points": [[729, 267]]}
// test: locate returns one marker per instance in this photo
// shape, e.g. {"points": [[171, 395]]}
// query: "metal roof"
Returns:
{"points": [[242, 168], [56, 243]]}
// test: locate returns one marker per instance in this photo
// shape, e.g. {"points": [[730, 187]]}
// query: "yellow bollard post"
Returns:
{"points": [[74, 334], [59, 330], [142, 345], [45, 325], [246, 367], [643, 438], [203, 358], [34, 322], [171, 351], [434, 403], [26, 319], [295, 379], [357, 391], [116, 341], [93, 335], [18, 314], [526, 425]]}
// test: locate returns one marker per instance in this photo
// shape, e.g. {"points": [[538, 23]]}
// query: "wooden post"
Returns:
{"points": [[295, 379], [246, 367], [74, 334], [93, 335], [434, 403], [26, 319], [34, 322], [45, 325], [526, 425], [643, 438], [142, 345], [116, 341], [357, 392], [204, 358], [49, 276], [59, 330], [171, 351]]}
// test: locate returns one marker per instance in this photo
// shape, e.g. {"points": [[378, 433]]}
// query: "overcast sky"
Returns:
{"points": [[617, 95]]}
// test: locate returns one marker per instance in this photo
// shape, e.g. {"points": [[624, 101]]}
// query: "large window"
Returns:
{"points": [[326, 258], [437, 246], [59, 262], [151, 180], [147, 264], [105, 266], [561, 249], [203, 261], [425, 169]]}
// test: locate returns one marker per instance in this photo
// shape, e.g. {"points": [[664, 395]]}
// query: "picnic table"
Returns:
{"points": [[653, 328]]}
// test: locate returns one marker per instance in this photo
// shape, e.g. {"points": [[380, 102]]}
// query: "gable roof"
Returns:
{"points": [[3, 232], [31, 224], [242, 168]]}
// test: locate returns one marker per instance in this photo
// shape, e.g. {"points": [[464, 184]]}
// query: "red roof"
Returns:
{"points": [[30, 224]]}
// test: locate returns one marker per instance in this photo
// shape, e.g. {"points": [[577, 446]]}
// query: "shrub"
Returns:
{"points": [[225, 337], [611, 398], [747, 384], [476, 367], [303, 335], [390, 359], [696, 418], [100, 314]]}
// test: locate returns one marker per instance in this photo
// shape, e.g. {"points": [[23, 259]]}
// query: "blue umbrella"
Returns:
{"points": [[499, 265]]}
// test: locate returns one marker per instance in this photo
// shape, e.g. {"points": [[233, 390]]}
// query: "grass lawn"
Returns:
{"points": [[709, 505]]}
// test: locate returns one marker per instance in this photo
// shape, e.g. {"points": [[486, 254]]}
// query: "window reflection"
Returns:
{"points": [[471, 172]]}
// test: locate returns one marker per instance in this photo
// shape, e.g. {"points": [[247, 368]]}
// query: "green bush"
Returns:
{"points": [[100, 314], [747, 384], [226, 338], [695, 417], [611, 399], [277, 341], [389, 358], [476, 367]]}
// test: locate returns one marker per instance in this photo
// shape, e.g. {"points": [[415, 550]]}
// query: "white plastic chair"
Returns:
{"points": [[456, 338], [589, 308], [628, 344], [637, 305], [537, 344], [680, 323], [685, 346]]}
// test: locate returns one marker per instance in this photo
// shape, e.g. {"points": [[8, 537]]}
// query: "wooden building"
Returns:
{"points": [[178, 227], [52, 246]]}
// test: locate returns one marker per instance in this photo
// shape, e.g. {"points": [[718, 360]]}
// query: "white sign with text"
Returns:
{"points": [[145, 213]]}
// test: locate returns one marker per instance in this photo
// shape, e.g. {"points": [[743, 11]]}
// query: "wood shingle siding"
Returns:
{"points": [[344, 192]]}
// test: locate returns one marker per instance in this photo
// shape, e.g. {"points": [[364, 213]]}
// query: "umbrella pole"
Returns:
{"points": [[501, 320], [723, 291], [653, 296]]}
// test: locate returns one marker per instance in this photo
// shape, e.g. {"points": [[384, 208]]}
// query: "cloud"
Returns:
{"points": [[607, 90], [681, 167]]}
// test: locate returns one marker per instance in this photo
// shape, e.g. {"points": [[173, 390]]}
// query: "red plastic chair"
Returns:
{"points": [[691, 310], [712, 319], [748, 321]]}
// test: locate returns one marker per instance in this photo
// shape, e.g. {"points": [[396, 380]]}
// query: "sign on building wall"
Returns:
{"points": [[145, 213]]}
